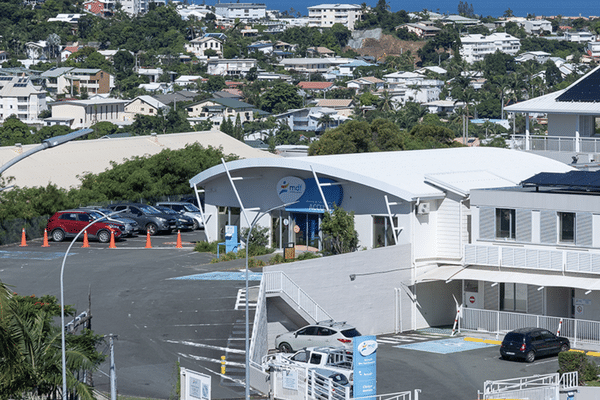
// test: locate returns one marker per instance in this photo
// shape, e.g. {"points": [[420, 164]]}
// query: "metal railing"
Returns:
{"points": [[498, 322], [569, 380], [533, 258], [538, 387], [555, 143], [278, 282]]}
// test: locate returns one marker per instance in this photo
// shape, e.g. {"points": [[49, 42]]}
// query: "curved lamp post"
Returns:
{"points": [[62, 302], [254, 221]]}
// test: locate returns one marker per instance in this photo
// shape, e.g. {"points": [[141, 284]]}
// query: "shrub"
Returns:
{"points": [[570, 361], [307, 256], [276, 259], [206, 247]]}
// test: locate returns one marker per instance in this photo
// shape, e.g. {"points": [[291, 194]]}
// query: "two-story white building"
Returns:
{"points": [[242, 11], [411, 86], [325, 15], [231, 67], [199, 45], [79, 114], [476, 46]]}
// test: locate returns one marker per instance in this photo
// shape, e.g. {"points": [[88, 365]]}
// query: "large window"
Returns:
{"points": [[566, 222], [383, 233], [505, 223], [513, 297]]}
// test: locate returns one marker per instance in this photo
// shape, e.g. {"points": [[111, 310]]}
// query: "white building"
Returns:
{"points": [[19, 97], [134, 7], [145, 105], [243, 11], [199, 45], [231, 67], [476, 46], [579, 37], [536, 26], [312, 65], [85, 113], [325, 15], [593, 49], [411, 86]]}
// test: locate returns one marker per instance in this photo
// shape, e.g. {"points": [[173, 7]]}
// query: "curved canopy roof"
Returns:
{"points": [[410, 174]]}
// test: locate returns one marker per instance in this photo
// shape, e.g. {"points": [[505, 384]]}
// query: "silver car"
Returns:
{"points": [[326, 333], [187, 209]]}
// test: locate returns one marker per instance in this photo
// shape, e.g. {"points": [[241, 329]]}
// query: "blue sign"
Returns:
{"points": [[311, 200], [231, 238], [365, 366]]}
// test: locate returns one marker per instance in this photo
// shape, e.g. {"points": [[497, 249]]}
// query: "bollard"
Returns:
{"points": [[223, 365]]}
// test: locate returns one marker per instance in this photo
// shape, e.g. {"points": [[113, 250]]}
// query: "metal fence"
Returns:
{"points": [[537, 387], [279, 282], [577, 330], [556, 143]]}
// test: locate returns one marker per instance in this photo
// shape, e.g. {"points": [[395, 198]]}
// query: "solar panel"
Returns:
{"points": [[581, 180], [587, 90], [20, 85], [5, 78]]}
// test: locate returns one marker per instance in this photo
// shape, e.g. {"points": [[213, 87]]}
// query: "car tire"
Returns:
{"points": [[285, 347], [196, 226], [564, 347], [530, 357], [152, 229], [103, 236], [58, 235]]}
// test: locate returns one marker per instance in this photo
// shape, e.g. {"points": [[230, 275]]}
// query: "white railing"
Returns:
{"points": [[556, 143], [532, 258], [569, 380], [392, 396], [258, 345], [278, 282], [500, 322], [538, 387]]}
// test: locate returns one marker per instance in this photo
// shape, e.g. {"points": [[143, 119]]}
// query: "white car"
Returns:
{"points": [[187, 209], [326, 333]]}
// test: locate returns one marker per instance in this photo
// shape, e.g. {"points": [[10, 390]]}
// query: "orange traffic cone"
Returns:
{"points": [[148, 243], [179, 245], [112, 240], [86, 243], [23, 239], [45, 244]]}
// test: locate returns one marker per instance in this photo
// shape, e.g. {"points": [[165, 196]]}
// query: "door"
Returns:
{"points": [[306, 229]]}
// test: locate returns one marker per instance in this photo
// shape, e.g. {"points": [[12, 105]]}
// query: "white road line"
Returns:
{"points": [[200, 358], [207, 346], [240, 302]]}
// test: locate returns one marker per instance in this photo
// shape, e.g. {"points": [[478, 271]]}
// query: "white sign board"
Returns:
{"points": [[582, 302], [290, 380], [194, 385]]}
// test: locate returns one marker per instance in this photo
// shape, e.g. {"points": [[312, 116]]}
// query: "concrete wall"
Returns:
{"points": [[368, 302]]}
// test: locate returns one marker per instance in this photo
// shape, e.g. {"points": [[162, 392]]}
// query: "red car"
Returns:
{"points": [[69, 223]]}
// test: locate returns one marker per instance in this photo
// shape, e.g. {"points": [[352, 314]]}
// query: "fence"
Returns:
{"points": [[278, 282], [577, 330], [538, 387], [556, 143]]}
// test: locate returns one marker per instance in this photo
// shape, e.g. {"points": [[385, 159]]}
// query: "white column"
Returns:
{"points": [[577, 137], [526, 131]]}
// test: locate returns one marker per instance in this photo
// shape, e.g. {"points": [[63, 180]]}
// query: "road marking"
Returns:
{"points": [[206, 346], [222, 276], [240, 302]]}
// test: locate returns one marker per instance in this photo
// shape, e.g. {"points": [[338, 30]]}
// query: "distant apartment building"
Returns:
{"points": [[231, 67], [19, 97], [72, 81], [325, 15], [243, 11], [579, 37], [536, 27], [134, 7], [79, 114], [593, 49], [476, 46]]}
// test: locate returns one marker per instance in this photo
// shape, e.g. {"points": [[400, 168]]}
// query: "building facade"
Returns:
{"points": [[325, 15], [243, 11], [476, 46], [85, 113], [19, 97]]}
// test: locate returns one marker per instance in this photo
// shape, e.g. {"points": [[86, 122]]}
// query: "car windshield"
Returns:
{"points": [[166, 210], [149, 210], [95, 214], [514, 337], [191, 208], [350, 332]]}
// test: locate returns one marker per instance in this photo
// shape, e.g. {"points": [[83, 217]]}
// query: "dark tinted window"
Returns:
{"points": [[547, 335], [309, 330], [325, 331], [535, 336], [301, 356], [84, 217], [315, 358], [350, 332], [514, 337], [68, 216]]}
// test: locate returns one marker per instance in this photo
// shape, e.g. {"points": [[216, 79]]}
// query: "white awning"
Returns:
{"points": [[539, 278]]}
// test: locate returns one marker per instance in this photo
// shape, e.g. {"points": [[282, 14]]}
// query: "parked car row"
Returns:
{"points": [[131, 218]]}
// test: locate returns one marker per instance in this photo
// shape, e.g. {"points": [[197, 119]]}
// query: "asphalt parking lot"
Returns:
{"points": [[168, 304]]}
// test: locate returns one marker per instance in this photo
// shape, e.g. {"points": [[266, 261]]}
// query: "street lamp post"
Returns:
{"points": [[254, 221], [62, 302]]}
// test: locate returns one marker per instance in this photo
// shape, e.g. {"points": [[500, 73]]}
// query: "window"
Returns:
{"points": [[513, 297], [505, 223], [566, 227]]}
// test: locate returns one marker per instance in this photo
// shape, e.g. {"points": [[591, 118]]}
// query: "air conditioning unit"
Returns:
{"points": [[423, 209]]}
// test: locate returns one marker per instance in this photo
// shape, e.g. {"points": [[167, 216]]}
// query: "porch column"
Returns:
{"points": [[526, 131], [577, 138]]}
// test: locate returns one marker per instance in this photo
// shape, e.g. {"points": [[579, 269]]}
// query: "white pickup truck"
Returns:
{"points": [[335, 359]]}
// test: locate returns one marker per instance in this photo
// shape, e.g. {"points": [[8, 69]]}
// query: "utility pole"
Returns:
{"points": [[113, 373]]}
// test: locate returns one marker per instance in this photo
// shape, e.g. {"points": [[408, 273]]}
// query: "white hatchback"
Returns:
{"points": [[326, 333]]}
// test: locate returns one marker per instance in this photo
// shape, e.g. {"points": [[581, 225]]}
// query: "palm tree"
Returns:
{"points": [[325, 120]]}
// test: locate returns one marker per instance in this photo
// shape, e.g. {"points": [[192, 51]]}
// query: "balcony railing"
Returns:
{"points": [[533, 258], [555, 143]]}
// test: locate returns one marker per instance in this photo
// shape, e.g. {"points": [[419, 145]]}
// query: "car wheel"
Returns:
{"points": [[195, 226], [58, 235], [564, 347], [152, 229], [285, 348], [103, 236], [530, 356]]}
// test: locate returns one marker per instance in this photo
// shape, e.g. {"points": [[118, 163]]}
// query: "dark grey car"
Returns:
{"points": [[149, 218]]}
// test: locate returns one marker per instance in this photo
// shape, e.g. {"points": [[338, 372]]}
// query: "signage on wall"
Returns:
{"points": [[290, 189], [365, 366], [311, 200]]}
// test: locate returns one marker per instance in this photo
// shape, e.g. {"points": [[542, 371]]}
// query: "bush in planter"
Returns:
{"points": [[570, 361]]}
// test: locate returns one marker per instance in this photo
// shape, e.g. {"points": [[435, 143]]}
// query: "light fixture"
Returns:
{"points": [[449, 280], [588, 292], [494, 284], [352, 277], [540, 288]]}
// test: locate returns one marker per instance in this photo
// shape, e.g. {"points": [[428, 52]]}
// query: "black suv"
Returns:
{"points": [[529, 343], [149, 218]]}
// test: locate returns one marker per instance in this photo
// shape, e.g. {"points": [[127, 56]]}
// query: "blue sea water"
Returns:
{"points": [[484, 8]]}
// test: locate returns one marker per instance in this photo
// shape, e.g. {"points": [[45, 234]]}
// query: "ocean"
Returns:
{"points": [[584, 8]]}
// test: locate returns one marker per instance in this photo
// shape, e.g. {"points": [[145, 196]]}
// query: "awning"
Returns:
{"points": [[539, 278]]}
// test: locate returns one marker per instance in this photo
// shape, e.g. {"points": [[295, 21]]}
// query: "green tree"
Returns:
{"points": [[281, 97], [214, 83], [14, 131], [339, 234]]}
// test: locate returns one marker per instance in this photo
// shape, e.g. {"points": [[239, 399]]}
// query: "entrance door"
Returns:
{"points": [[306, 229]]}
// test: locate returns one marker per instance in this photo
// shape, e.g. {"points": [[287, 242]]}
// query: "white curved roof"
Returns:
{"points": [[412, 174], [61, 165]]}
